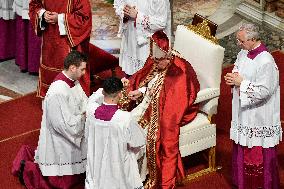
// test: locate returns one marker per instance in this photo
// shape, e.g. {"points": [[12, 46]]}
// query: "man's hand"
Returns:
{"points": [[125, 82], [130, 11], [46, 16], [233, 79], [50, 17], [134, 95]]}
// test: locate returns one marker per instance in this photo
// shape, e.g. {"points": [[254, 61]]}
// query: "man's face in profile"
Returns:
{"points": [[244, 42], [78, 72]]}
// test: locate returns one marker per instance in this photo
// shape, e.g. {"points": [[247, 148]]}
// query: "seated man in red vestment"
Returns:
{"points": [[170, 87]]}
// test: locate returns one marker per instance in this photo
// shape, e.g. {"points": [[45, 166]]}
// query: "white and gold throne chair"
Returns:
{"points": [[201, 49]]}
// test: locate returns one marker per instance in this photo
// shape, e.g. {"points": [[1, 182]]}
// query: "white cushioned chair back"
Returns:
{"points": [[205, 57]]}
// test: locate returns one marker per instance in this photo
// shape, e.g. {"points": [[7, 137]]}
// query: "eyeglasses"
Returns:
{"points": [[242, 42]]}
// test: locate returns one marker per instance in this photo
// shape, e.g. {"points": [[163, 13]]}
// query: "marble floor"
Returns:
{"points": [[105, 26], [105, 22], [14, 83]]}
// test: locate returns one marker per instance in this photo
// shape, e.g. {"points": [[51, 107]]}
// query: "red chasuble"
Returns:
{"points": [[175, 109], [78, 25]]}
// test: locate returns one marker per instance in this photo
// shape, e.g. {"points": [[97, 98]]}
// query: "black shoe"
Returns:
{"points": [[21, 173], [33, 73]]}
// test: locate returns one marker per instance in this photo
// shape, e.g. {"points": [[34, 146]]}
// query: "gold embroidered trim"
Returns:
{"points": [[66, 24], [176, 53], [150, 76], [50, 68], [36, 24], [69, 6], [143, 123], [45, 85], [124, 101], [153, 127]]}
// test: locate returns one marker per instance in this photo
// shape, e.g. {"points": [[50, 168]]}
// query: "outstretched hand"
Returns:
{"points": [[134, 95]]}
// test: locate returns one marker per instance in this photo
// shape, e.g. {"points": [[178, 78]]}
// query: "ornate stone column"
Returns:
{"points": [[267, 12]]}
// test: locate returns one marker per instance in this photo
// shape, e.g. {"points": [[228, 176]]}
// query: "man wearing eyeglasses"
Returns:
{"points": [[255, 126]]}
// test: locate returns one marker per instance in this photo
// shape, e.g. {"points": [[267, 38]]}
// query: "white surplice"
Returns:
{"points": [[6, 10], [256, 103], [111, 161], [153, 15], [21, 8], [62, 147]]}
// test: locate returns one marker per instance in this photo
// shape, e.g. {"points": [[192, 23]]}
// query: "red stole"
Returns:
{"points": [[176, 109], [78, 19]]}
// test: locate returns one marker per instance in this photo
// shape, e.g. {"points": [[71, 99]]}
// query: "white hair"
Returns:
{"points": [[252, 31]]}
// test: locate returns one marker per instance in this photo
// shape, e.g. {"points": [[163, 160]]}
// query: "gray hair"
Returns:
{"points": [[252, 31]]}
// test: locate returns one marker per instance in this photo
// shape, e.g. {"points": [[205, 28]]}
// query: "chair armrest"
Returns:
{"points": [[207, 94]]}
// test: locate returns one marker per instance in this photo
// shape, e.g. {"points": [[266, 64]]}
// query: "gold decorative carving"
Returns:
{"points": [[211, 168], [203, 30]]}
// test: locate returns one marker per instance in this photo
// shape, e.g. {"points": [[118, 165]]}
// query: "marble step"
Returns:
{"points": [[229, 27], [13, 79]]}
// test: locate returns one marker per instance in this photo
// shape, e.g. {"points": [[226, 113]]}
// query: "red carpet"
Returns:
{"points": [[20, 119]]}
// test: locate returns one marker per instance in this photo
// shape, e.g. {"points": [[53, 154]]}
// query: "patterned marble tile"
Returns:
{"points": [[105, 21], [11, 78], [105, 27], [184, 10], [225, 11]]}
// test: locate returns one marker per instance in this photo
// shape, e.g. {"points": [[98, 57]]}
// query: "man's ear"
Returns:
{"points": [[72, 68]]}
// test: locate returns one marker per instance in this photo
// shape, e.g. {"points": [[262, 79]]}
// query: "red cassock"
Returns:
{"points": [[55, 47], [175, 109]]}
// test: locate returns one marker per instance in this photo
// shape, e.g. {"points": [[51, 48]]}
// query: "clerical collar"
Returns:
{"points": [[107, 104], [63, 77], [256, 51]]}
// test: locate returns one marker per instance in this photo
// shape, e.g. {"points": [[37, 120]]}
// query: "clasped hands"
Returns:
{"points": [[50, 17], [130, 12], [233, 79]]}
